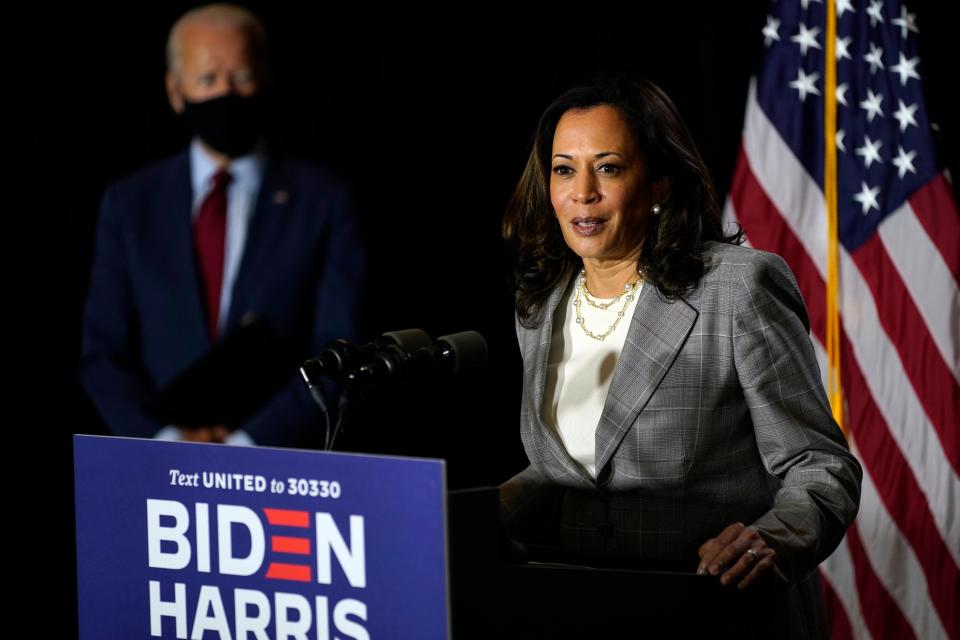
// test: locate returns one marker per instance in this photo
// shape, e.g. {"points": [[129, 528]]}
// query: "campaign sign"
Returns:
{"points": [[211, 542]]}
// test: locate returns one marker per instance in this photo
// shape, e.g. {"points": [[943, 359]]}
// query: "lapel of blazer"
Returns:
{"points": [[544, 337], [657, 332], [175, 234], [274, 196]]}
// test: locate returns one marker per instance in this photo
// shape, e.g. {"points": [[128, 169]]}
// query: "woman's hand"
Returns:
{"points": [[742, 550]]}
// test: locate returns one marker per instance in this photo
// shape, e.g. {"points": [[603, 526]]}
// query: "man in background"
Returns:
{"points": [[191, 248]]}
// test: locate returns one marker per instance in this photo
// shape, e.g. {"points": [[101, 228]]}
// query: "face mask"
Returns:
{"points": [[230, 124]]}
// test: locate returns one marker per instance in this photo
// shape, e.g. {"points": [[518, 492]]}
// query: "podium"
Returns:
{"points": [[495, 594], [179, 540]]}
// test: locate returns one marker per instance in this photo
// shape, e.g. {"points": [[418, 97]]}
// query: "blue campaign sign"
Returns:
{"points": [[179, 540]]}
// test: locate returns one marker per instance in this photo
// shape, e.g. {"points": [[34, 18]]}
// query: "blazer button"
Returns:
{"points": [[605, 529]]}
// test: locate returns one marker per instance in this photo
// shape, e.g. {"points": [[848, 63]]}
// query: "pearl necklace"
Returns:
{"points": [[583, 294]]}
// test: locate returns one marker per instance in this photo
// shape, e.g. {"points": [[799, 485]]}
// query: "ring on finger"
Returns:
{"points": [[753, 554]]}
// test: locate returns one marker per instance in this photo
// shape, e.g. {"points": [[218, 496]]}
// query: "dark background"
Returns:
{"points": [[428, 111]]}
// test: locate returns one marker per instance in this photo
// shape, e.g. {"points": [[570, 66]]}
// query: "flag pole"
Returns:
{"points": [[834, 386]]}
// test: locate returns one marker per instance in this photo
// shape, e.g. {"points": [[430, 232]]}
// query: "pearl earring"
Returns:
{"points": [[655, 209]]}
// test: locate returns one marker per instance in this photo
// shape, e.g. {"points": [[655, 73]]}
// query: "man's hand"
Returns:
{"points": [[213, 433], [742, 550]]}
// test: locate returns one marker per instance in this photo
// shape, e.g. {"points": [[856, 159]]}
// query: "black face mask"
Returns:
{"points": [[230, 124]]}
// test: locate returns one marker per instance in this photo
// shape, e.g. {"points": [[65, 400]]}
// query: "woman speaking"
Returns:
{"points": [[672, 412]]}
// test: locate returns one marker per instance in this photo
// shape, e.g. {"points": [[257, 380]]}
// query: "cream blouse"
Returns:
{"points": [[580, 368]]}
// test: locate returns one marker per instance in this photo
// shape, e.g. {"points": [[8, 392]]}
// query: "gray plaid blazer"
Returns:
{"points": [[716, 414]]}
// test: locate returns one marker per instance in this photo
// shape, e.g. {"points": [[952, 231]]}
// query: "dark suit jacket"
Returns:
{"points": [[301, 271], [716, 413]]}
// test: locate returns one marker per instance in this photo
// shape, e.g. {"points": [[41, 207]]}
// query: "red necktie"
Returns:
{"points": [[209, 235]]}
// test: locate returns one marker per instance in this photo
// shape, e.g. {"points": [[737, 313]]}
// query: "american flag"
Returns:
{"points": [[896, 573]]}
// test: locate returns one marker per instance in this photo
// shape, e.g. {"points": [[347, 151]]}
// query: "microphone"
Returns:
{"points": [[458, 352], [341, 356], [450, 354]]}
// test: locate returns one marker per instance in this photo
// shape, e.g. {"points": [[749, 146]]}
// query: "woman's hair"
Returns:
{"points": [[671, 254]]}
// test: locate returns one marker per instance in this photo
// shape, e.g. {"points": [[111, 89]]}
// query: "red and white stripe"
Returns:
{"points": [[897, 573]]}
